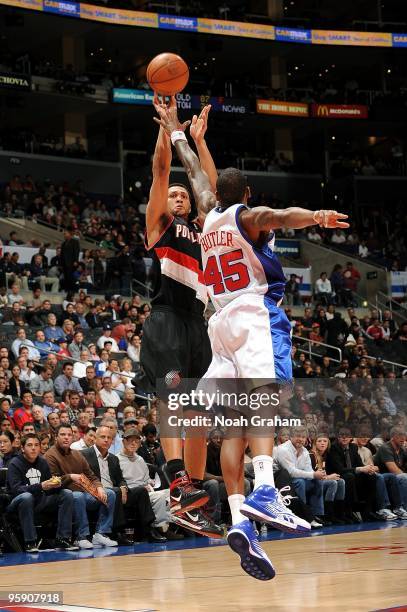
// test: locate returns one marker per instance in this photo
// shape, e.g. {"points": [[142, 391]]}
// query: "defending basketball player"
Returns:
{"points": [[175, 343], [250, 334]]}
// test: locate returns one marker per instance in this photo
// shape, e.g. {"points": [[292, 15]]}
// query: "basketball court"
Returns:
{"points": [[356, 568]]}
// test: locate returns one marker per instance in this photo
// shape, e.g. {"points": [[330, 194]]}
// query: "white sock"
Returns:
{"points": [[235, 503], [263, 470]]}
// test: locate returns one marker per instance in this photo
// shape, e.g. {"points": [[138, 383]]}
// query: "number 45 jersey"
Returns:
{"points": [[234, 265], [249, 333]]}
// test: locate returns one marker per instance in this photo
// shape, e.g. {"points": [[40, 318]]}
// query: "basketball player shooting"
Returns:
{"points": [[250, 334], [175, 342]]}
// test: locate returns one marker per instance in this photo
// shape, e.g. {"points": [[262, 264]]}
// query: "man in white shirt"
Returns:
{"points": [[313, 235], [294, 457], [136, 474], [109, 397], [107, 336], [87, 441], [323, 289], [79, 369], [21, 339], [338, 237]]}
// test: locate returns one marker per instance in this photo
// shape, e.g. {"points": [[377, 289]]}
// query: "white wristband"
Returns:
{"points": [[177, 135]]}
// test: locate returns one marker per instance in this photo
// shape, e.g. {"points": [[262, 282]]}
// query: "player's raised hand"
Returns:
{"points": [[168, 115], [199, 124], [330, 219]]}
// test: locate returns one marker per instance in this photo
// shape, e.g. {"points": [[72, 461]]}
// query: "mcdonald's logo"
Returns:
{"points": [[322, 111]]}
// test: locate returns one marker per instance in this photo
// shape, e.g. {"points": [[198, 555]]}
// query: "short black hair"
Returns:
{"points": [[231, 187], [149, 428]]}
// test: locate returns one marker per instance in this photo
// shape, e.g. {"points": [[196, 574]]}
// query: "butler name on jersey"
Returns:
{"points": [[233, 264]]}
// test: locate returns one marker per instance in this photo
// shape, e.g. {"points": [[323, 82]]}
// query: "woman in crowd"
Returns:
{"points": [[333, 485], [133, 349], [7, 450]]}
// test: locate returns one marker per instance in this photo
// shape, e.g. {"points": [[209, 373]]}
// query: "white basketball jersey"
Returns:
{"points": [[234, 265]]}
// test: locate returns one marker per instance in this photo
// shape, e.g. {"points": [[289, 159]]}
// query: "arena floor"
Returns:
{"points": [[362, 568]]}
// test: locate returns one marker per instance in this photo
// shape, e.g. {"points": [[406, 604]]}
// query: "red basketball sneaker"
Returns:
{"points": [[184, 496]]}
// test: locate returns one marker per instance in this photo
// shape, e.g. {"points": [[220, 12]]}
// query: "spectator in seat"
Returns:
{"points": [[381, 489], [108, 466], [292, 290], [343, 459], [48, 403], [111, 423], [22, 340], [106, 337], [150, 448], [39, 275], [391, 459], [69, 465], [77, 346], [85, 381], [54, 422], [44, 346], [323, 289], [40, 422], [15, 296], [52, 331], [136, 475], [30, 483], [314, 236], [87, 440], [332, 484], [15, 385], [8, 452], [107, 395], [375, 331], [24, 414], [66, 381], [294, 457], [42, 383]]}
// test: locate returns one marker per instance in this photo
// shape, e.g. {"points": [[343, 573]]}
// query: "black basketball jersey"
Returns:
{"points": [[177, 268]]}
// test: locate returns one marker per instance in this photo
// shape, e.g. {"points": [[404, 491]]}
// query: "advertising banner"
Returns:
{"points": [[132, 96], [185, 101], [62, 7], [339, 111], [235, 28], [357, 39], [294, 35], [12, 80], [276, 107], [291, 248], [119, 16], [399, 40], [398, 284], [172, 22]]}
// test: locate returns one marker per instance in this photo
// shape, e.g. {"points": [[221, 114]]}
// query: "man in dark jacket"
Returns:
{"points": [[30, 483], [69, 255], [107, 467], [343, 459]]}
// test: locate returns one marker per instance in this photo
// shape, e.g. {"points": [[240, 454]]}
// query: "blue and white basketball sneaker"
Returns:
{"points": [[267, 505], [242, 539]]}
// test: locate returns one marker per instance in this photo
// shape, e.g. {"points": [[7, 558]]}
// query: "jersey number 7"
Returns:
{"points": [[232, 275]]}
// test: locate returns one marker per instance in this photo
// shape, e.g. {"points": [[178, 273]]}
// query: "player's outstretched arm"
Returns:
{"points": [[198, 128], [157, 216], [264, 219], [201, 187]]}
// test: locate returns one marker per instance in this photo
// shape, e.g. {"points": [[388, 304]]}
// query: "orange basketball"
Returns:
{"points": [[167, 74]]}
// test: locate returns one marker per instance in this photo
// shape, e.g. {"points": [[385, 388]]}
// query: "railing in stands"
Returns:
{"points": [[398, 311], [311, 342], [144, 292]]}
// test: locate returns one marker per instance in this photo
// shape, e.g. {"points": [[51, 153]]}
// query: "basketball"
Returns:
{"points": [[167, 74]]}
